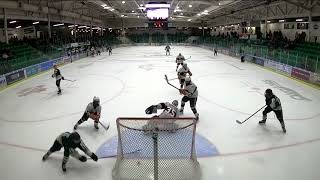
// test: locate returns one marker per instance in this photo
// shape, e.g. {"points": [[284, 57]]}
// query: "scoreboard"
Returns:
{"points": [[158, 24]]}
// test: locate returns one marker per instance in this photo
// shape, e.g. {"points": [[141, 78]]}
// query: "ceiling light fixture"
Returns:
{"points": [[123, 2], [36, 22], [11, 22], [190, 5], [18, 27]]}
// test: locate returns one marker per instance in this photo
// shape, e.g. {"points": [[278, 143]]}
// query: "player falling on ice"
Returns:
{"points": [[57, 74], [170, 110], [182, 74], [92, 111], [70, 141], [167, 48], [179, 60], [190, 92], [273, 104]]}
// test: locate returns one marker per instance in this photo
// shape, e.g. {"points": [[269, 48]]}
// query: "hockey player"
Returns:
{"points": [[182, 74], [190, 92], [170, 110], [215, 52], [92, 51], [273, 104], [167, 48], [57, 74], [109, 50], [70, 141], [92, 111], [179, 60]]}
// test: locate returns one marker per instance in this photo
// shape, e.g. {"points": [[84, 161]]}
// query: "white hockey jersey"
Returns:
{"points": [[192, 90], [182, 72], [169, 110], [180, 59]]}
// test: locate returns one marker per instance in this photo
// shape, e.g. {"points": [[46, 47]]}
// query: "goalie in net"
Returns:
{"points": [[170, 111]]}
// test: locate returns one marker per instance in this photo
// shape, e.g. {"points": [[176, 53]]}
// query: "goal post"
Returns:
{"points": [[156, 149]]}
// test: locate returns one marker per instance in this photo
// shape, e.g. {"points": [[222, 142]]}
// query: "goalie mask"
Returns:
{"points": [[175, 103]]}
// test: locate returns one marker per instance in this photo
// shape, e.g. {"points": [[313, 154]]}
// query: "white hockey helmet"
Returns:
{"points": [[175, 103], [188, 79], [184, 65]]}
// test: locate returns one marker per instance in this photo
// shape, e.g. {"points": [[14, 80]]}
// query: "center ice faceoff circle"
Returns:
{"points": [[72, 103]]}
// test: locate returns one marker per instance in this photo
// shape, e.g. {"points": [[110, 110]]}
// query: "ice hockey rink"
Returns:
{"points": [[32, 115]]}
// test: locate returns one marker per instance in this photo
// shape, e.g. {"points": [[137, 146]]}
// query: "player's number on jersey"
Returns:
{"points": [[171, 111]]}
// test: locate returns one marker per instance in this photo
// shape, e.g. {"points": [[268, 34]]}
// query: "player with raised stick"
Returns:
{"points": [[57, 74], [70, 141], [273, 104], [190, 92], [182, 74], [167, 48], [179, 60], [92, 111]]}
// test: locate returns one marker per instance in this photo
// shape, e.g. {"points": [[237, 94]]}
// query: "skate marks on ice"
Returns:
{"points": [[149, 67], [234, 66]]}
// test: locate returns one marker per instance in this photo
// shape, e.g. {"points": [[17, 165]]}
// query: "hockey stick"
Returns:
{"points": [[172, 79], [239, 122], [166, 78], [105, 127], [110, 156], [188, 58], [69, 80]]}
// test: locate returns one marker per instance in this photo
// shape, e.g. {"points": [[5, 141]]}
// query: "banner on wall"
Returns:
{"points": [[300, 73], [315, 78], [258, 61], [284, 68], [15, 76], [46, 65], [32, 70], [3, 81]]}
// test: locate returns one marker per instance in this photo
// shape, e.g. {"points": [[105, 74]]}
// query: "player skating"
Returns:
{"points": [[179, 60], [70, 141], [109, 50], [273, 104], [92, 111], [170, 110], [167, 48], [57, 74], [190, 92], [215, 52], [182, 74]]}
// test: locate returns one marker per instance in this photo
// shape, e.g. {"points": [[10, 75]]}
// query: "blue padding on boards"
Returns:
{"points": [[137, 144]]}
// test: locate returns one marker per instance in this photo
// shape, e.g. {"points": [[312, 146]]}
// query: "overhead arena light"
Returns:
{"points": [[281, 20], [18, 27], [36, 22], [72, 26], [299, 20], [123, 2], [11, 22], [82, 27], [157, 6], [61, 24], [190, 5], [189, 19]]}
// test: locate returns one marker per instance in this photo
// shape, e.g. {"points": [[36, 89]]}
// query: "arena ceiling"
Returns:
{"points": [[196, 11]]}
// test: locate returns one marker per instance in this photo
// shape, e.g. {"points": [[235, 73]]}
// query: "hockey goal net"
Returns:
{"points": [[156, 149]]}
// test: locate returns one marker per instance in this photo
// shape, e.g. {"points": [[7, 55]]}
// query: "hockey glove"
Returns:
{"points": [[62, 78], [83, 158], [151, 109], [94, 157]]}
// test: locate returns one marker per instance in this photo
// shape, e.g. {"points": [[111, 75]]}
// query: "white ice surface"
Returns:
{"points": [[132, 79]]}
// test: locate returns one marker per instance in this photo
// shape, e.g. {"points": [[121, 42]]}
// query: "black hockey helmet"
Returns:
{"points": [[74, 137], [268, 93]]}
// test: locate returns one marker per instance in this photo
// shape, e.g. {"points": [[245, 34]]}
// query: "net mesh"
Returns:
{"points": [[156, 148]]}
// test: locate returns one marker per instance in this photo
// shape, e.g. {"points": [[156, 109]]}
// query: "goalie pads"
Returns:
{"points": [[151, 109]]}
